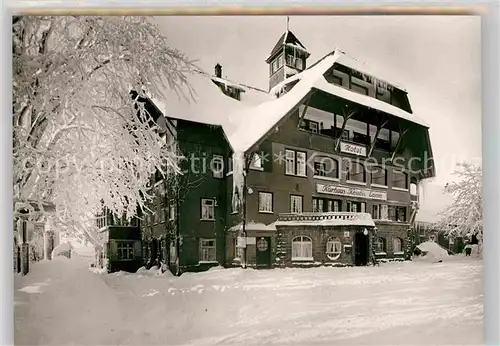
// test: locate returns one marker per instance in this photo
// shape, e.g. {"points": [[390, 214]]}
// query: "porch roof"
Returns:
{"points": [[326, 219], [253, 226]]}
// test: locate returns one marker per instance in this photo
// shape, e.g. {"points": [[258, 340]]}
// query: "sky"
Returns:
{"points": [[437, 59]]}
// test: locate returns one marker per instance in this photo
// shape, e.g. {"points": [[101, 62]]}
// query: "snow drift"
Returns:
{"points": [[431, 251]]}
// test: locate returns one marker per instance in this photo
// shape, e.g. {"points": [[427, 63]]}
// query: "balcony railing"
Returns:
{"points": [[109, 220], [329, 218]]}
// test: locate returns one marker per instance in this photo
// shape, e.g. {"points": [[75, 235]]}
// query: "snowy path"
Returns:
{"points": [[398, 303]]}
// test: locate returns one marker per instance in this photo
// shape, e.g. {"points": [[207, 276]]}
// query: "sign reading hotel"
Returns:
{"points": [[349, 148], [350, 191]]}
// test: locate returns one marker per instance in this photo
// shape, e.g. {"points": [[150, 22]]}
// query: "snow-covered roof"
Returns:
{"points": [[210, 105], [259, 120], [253, 226]]}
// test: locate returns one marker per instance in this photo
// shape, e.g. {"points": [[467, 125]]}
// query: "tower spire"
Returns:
{"points": [[287, 22]]}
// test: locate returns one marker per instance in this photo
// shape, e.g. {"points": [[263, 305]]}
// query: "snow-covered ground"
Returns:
{"points": [[63, 302]]}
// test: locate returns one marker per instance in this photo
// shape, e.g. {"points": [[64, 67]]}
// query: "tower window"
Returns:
{"points": [[298, 63]]}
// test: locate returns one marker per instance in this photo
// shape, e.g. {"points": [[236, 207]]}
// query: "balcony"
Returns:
{"points": [[325, 219], [108, 220]]}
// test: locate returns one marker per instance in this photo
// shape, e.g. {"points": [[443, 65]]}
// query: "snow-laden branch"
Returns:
{"points": [[465, 215], [79, 139]]}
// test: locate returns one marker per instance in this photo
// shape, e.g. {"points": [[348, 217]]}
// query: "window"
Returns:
{"points": [[379, 244], [313, 126], [280, 61], [376, 212], [401, 214], [296, 204], [302, 248], [396, 245], [337, 80], [318, 204], [207, 209], [298, 63], [379, 176], [383, 95], [356, 207], [290, 60], [301, 163], [207, 250], [125, 250], [218, 166], [295, 163], [356, 172], [413, 189], [333, 206], [171, 210], [237, 250], [359, 89], [333, 248], [256, 162], [265, 202], [290, 162], [326, 167], [384, 212], [320, 169], [399, 180]]}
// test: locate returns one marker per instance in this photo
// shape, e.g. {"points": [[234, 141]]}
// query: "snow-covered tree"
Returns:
{"points": [[465, 215], [80, 138]]}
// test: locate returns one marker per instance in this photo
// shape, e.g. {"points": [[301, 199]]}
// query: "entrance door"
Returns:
{"points": [[361, 249], [263, 252]]}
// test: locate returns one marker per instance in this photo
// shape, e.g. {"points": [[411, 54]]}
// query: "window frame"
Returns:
{"points": [[256, 158], [333, 255], [208, 248], [381, 247], [393, 180], [261, 210], [218, 174], [400, 245], [297, 198], [295, 161], [349, 174], [323, 160], [386, 180], [203, 204], [303, 248], [128, 247]]}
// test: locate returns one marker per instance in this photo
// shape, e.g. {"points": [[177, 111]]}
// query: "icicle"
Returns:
{"points": [[238, 177]]}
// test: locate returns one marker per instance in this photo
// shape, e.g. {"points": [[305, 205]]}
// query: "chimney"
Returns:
{"points": [[218, 71]]}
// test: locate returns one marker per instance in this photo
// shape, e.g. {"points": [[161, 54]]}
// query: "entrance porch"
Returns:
{"points": [[329, 239]]}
